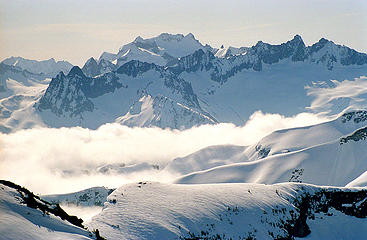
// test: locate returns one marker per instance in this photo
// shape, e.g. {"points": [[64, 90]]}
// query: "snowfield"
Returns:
{"points": [[20, 219], [152, 210], [317, 154], [149, 210]]}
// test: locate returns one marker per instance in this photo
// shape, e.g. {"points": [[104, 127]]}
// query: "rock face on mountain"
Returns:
{"points": [[73, 94], [67, 94], [91, 68], [190, 84]]}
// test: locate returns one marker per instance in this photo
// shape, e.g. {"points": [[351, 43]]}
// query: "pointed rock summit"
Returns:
{"points": [[76, 71], [91, 68]]}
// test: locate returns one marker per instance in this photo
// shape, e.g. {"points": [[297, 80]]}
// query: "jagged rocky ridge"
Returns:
{"points": [[91, 68], [194, 82], [71, 95], [323, 52]]}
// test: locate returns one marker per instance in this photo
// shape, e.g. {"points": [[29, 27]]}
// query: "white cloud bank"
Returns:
{"points": [[344, 94], [49, 160]]}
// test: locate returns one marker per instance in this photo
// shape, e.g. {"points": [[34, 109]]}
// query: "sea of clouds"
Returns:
{"points": [[60, 160]]}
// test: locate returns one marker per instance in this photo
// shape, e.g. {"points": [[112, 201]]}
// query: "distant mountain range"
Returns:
{"points": [[47, 67], [173, 81]]}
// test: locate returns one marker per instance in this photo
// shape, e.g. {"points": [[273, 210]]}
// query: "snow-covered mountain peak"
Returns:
{"points": [[47, 67], [226, 83], [163, 112], [162, 50]]}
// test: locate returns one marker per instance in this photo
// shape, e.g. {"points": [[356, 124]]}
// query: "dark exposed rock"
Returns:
{"points": [[76, 71], [262, 152], [360, 134], [355, 116], [65, 94], [36, 202], [134, 67]]}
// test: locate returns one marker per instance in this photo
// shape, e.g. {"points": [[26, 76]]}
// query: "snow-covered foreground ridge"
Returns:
{"points": [[27, 216], [152, 210], [149, 210]]}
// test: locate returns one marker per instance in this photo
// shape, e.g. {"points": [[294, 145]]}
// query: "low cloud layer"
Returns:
{"points": [[49, 160]]}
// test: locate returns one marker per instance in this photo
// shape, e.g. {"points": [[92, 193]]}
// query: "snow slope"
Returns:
{"points": [[22, 90], [332, 153], [163, 112], [232, 211], [22, 218], [95, 196]]}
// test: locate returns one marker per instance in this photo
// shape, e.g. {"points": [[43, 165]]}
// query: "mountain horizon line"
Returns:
{"points": [[165, 34]]}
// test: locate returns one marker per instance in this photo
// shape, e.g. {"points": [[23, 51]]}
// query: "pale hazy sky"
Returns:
{"points": [[75, 30]]}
